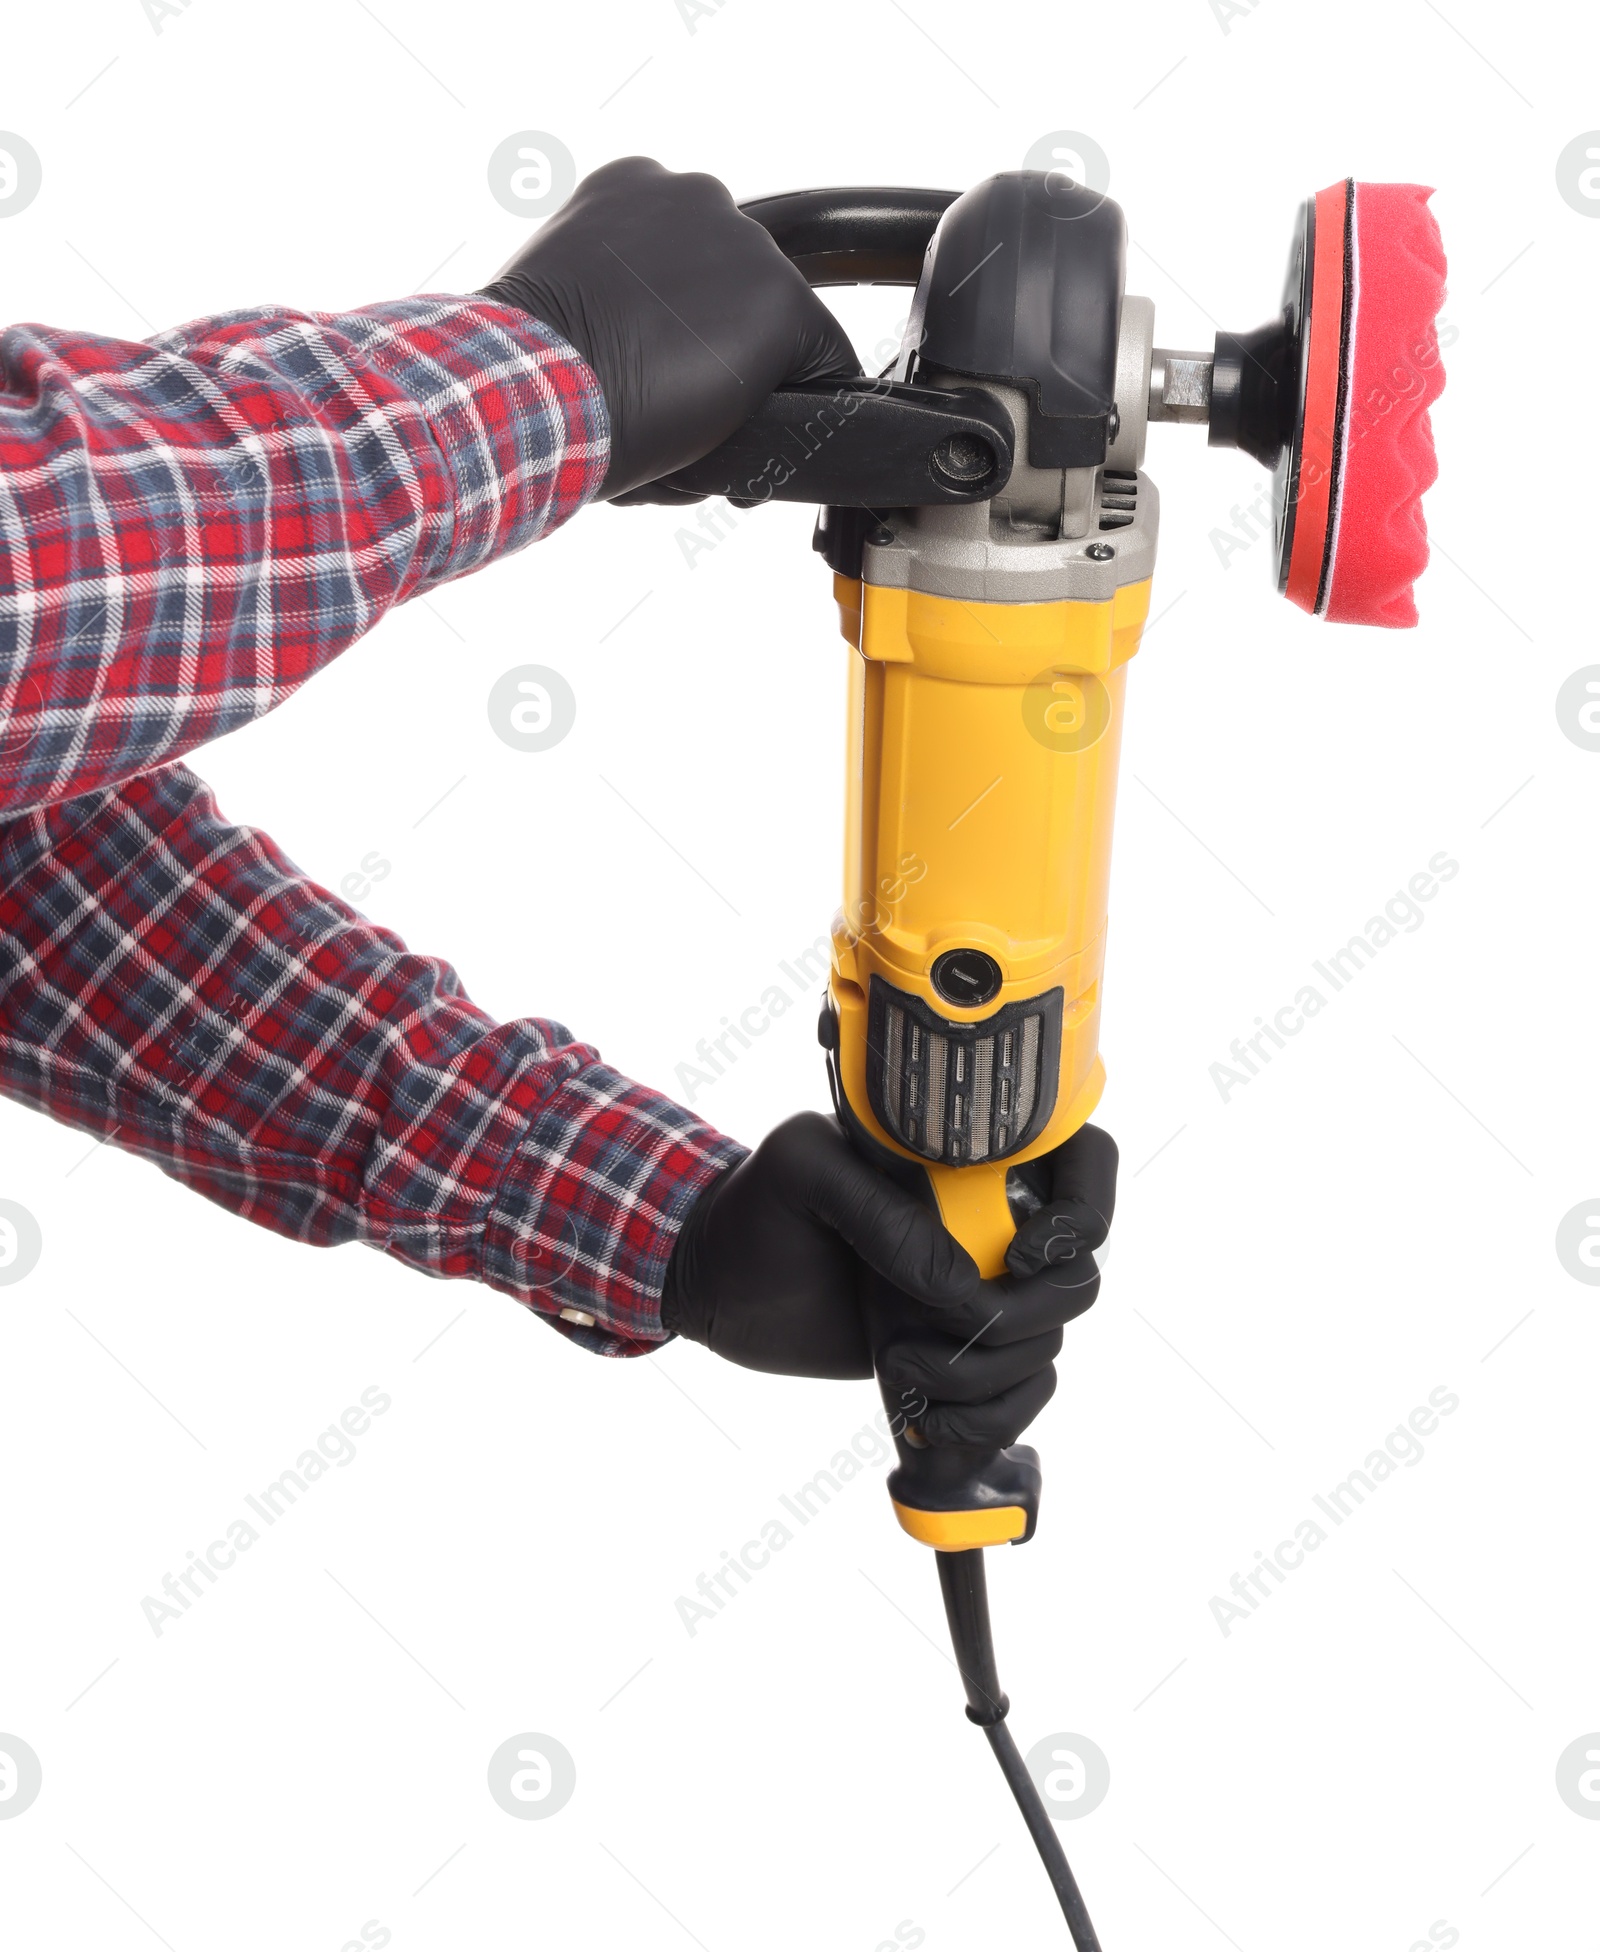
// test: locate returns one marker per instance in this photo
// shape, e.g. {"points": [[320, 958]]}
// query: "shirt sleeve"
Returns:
{"points": [[173, 983], [191, 526]]}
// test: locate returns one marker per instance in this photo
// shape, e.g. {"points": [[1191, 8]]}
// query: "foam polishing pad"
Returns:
{"points": [[1371, 284]]}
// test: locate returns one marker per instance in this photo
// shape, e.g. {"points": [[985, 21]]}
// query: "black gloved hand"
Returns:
{"points": [[688, 313], [769, 1267], [981, 1376]]}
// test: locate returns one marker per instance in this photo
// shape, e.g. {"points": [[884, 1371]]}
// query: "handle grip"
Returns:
{"points": [[858, 443], [956, 1497], [853, 236]]}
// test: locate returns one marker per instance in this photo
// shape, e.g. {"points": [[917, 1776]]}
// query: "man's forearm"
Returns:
{"points": [[172, 982], [192, 527]]}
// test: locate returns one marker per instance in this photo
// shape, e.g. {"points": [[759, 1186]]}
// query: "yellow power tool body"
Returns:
{"points": [[990, 636], [966, 968]]}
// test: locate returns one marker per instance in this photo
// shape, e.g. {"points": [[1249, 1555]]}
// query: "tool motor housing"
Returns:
{"points": [[967, 957]]}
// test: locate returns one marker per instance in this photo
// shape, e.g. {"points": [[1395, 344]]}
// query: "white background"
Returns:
{"points": [[1294, 1270]]}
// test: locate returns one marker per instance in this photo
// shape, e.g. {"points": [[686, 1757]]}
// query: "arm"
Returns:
{"points": [[173, 981], [190, 528]]}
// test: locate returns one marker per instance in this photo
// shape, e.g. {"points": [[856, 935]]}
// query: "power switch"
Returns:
{"points": [[966, 977]]}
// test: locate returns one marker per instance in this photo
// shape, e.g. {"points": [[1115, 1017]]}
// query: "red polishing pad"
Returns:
{"points": [[1371, 373]]}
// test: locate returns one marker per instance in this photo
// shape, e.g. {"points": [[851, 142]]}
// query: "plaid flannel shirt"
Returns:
{"points": [[189, 528]]}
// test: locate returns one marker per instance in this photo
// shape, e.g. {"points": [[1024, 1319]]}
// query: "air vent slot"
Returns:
{"points": [[1119, 498], [961, 1093]]}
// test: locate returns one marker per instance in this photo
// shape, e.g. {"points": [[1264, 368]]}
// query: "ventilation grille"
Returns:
{"points": [[961, 1093], [1119, 498]]}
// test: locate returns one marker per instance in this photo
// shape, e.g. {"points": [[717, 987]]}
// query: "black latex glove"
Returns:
{"points": [[981, 1375], [688, 313], [769, 1268]]}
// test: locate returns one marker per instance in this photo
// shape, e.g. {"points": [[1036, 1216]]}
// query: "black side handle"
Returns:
{"points": [[853, 236], [860, 443], [867, 443]]}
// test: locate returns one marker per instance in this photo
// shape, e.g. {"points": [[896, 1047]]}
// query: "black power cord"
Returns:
{"points": [[966, 1606]]}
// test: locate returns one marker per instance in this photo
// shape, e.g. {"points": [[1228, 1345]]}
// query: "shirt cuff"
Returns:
{"points": [[515, 413], [587, 1214]]}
